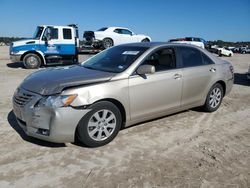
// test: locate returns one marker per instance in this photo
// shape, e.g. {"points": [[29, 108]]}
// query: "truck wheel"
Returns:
{"points": [[107, 43], [32, 61], [99, 126]]}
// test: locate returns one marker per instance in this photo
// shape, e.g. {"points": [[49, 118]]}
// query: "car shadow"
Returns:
{"points": [[18, 65], [241, 79], [15, 65], [13, 123]]}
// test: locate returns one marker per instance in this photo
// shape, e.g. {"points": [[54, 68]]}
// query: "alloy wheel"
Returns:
{"points": [[215, 97], [101, 125]]}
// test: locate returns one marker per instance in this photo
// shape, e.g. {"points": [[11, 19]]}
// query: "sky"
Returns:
{"points": [[162, 20]]}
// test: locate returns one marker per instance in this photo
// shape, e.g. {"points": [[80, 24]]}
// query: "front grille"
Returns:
{"points": [[21, 97]]}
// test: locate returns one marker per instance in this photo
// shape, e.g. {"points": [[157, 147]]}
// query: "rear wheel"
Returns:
{"points": [[145, 40], [107, 43], [32, 61], [219, 53], [101, 125], [214, 98]]}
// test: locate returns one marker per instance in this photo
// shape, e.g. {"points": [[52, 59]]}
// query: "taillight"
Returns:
{"points": [[231, 69]]}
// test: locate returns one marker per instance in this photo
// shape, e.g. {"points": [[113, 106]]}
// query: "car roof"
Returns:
{"points": [[118, 28], [56, 26], [170, 44], [158, 44]]}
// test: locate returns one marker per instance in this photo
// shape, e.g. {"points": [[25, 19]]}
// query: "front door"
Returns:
{"points": [[156, 93]]}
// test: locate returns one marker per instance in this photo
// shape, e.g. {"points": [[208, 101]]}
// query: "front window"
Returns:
{"points": [[126, 32], [50, 32], [38, 32], [163, 59], [116, 59]]}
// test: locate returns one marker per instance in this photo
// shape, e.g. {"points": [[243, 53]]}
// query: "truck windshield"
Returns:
{"points": [[115, 59], [38, 32]]}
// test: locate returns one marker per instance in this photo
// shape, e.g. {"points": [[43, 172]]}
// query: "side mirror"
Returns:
{"points": [[145, 69]]}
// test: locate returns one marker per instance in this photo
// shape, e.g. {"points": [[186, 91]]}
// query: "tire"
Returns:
{"points": [[230, 55], [214, 98], [94, 130], [219, 53], [145, 40], [32, 61], [107, 43]]}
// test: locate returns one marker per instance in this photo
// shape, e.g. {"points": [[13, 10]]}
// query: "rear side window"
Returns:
{"points": [[102, 29], [67, 34], [206, 60], [190, 57]]}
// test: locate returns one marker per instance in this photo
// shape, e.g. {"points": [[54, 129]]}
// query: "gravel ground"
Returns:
{"points": [[187, 149]]}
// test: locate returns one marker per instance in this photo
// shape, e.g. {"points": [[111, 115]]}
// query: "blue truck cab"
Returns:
{"points": [[49, 45]]}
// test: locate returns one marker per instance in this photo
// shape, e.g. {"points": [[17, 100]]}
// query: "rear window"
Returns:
{"points": [[102, 29], [206, 60], [67, 34]]}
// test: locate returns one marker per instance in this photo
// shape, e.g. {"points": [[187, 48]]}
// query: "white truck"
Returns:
{"points": [[49, 45]]}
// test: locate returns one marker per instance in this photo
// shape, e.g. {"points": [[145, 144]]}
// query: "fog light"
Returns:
{"points": [[44, 132]]}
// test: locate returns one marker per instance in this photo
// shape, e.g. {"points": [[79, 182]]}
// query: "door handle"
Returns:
{"points": [[177, 76], [212, 70]]}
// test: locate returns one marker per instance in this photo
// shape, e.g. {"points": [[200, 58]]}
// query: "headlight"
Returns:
{"points": [[13, 52], [56, 101]]}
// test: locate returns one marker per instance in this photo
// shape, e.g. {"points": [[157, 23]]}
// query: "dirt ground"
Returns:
{"points": [[188, 149]]}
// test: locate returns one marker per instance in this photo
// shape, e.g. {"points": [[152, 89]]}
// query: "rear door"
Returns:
{"points": [[67, 40], [198, 72], [156, 93]]}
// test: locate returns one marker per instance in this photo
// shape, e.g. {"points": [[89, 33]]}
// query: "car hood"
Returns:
{"points": [[55, 80]]}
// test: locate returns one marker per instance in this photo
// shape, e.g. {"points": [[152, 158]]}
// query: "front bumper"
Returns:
{"points": [[15, 58], [45, 123]]}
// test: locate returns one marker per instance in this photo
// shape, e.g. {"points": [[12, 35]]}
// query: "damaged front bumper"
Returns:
{"points": [[46, 123]]}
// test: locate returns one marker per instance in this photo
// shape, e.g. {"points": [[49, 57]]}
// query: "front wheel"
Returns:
{"points": [[101, 125], [214, 98], [32, 61]]}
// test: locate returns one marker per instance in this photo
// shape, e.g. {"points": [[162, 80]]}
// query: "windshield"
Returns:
{"points": [[38, 32], [115, 59]]}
